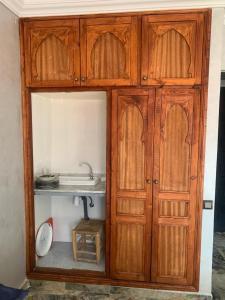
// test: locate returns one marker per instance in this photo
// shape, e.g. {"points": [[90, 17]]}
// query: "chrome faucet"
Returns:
{"points": [[91, 175]]}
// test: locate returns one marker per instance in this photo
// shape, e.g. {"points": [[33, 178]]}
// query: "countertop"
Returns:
{"points": [[73, 190]]}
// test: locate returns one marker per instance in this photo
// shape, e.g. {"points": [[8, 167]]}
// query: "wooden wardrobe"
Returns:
{"points": [[154, 67]]}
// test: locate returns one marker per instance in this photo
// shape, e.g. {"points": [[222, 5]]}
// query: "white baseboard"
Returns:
{"points": [[25, 284]]}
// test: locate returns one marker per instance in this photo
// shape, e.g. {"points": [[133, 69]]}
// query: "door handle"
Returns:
{"points": [[155, 181], [148, 181]]}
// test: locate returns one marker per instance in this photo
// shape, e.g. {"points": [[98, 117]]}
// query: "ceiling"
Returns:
{"points": [[28, 8]]}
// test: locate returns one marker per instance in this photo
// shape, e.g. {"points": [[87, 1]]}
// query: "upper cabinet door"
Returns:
{"points": [[109, 51], [52, 53], [172, 49]]}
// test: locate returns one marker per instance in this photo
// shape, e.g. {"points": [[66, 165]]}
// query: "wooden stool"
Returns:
{"points": [[88, 240]]}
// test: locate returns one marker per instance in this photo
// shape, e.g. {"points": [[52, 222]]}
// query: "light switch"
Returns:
{"points": [[207, 204]]}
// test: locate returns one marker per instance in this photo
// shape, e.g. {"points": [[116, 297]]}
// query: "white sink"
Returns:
{"points": [[77, 180]]}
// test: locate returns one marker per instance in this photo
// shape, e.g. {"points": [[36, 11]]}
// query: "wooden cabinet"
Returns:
{"points": [[109, 51], [172, 48], [169, 195], [131, 192], [156, 132], [175, 179], [52, 53]]}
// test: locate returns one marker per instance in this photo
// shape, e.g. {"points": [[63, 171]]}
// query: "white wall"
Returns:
{"points": [[223, 48], [211, 147], [71, 216], [12, 246], [68, 128]]}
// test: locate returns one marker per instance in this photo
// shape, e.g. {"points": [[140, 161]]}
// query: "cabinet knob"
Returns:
{"points": [[75, 78], [82, 78], [144, 77], [148, 181], [155, 181]]}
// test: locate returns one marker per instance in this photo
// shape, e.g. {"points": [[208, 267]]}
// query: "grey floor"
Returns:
{"points": [[61, 256]]}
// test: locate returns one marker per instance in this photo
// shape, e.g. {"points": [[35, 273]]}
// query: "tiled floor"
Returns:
{"points": [[46, 290], [218, 281]]}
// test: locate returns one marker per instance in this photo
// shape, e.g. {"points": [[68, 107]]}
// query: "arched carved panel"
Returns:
{"points": [[175, 153], [131, 148], [52, 54], [51, 59], [172, 47], [109, 51], [108, 57], [171, 56]]}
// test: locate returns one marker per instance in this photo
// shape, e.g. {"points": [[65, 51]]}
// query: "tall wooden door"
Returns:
{"points": [[175, 181], [132, 133], [52, 53], [109, 51], [172, 48]]}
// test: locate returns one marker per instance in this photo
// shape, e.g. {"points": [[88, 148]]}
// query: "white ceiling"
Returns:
{"points": [[28, 8]]}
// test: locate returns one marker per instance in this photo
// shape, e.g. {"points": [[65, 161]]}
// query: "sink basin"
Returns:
{"points": [[77, 180]]}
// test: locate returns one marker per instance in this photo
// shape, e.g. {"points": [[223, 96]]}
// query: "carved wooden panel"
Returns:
{"points": [[176, 149], [108, 58], [173, 208], [129, 243], [172, 48], [131, 195], [130, 206], [171, 56], [109, 51], [173, 242], [132, 116], [53, 53]]}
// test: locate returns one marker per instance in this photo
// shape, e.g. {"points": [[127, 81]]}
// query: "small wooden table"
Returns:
{"points": [[88, 240]]}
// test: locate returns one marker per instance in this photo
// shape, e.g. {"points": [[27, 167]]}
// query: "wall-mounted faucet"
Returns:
{"points": [[91, 175]]}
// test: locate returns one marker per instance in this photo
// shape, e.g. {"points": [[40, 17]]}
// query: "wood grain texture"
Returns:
{"points": [[108, 58], [173, 250], [172, 49], [175, 149], [52, 51], [51, 60], [132, 114], [174, 206], [109, 51], [130, 206], [171, 56], [131, 196], [130, 244]]}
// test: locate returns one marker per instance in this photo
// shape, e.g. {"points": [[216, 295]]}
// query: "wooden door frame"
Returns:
{"points": [[28, 185]]}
